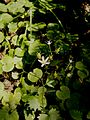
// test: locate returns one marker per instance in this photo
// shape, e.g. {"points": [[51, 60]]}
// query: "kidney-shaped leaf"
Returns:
{"points": [[35, 75], [64, 93], [8, 63]]}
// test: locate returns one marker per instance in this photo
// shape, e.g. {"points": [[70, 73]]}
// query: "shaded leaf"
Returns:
{"points": [[64, 93]]}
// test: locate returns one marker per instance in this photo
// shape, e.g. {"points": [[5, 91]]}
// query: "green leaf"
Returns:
{"points": [[82, 74], [18, 62], [43, 117], [32, 77], [19, 52], [3, 8], [76, 115], [8, 63], [5, 18], [38, 72], [15, 75], [34, 103], [79, 65], [14, 115], [12, 27], [1, 86], [4, 114], [1, 70], [54, 114], [1, 37], [64, 93], [41, 90], [29, 117], [35, 75], [1, 90], [43, 101], [88, 115], [50, 83], [33, 47]]}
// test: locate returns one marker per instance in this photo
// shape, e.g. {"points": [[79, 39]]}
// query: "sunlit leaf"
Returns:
{"points": [[12, 27], [33, 47], [35, 75], [43, 117], [5, 18], [1, 70], [3, 7], [18, 62], [54, 114], [34, 103], [19, 52], [1, 86], [38, 72], [8, 63], [1, 37], [32, 77], [15, 75]]}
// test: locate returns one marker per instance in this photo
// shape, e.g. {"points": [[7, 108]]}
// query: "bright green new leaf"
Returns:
{"points": [[43, 117], [8, 63], [64, 93], [1, 37]]}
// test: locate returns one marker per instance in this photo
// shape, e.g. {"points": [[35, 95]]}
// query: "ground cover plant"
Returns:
{"points": [[44, 60]]}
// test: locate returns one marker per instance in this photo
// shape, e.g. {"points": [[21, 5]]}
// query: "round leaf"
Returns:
{"points": [[8, 63], [38, 72], [32, 77]]}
